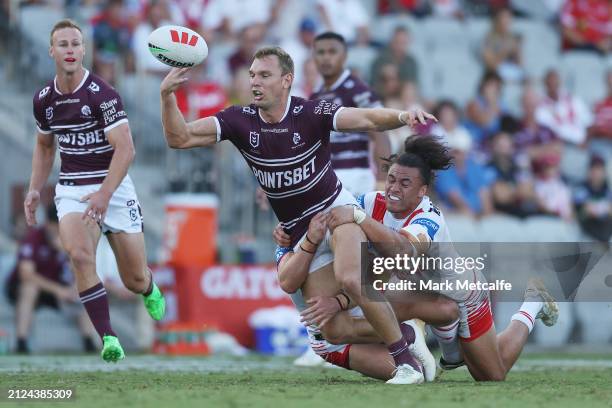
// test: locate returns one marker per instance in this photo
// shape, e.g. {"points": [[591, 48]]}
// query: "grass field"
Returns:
{"points": [[543, 380]]}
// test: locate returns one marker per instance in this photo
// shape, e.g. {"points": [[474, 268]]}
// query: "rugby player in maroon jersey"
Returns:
{"points": [[94, 194], [285, 141]]}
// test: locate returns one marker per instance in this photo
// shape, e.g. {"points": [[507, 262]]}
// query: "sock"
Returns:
{"points": [[96, 304], [401, 353], [149, 290], [448, 341], [408, 333], [528, 312]]}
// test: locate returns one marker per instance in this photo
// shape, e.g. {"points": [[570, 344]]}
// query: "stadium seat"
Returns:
{"points": [[477, 29], [455, 74], [549, 229], [385, 25], [39, 21], [501, 228], [462, 228], [583, 74], [574, 163], [446, 34], [361, 58], [540, 46]]}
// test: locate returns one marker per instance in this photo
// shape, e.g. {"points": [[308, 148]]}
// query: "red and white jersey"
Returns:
{"points": [[426, 217]]}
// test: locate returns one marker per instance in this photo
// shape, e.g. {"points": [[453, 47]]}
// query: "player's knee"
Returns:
{"points": [[81, 257], [332, 334], [351, 284], [449, 309]]}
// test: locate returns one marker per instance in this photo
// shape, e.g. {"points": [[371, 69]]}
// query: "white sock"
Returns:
{"points": [[448, 341], [527, 313]]}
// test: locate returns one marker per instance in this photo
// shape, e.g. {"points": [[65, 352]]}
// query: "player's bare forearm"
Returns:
{"points": [[385, 240], [175, 127], [382, 149], [378, 119], [121, 140], [42, 162], [293, 270]]}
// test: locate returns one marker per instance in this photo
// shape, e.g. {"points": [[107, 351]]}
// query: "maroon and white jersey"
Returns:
{"points": [[290, 159], [349, 150], [79, 121]]}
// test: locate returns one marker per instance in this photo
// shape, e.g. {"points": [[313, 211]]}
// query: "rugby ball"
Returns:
{"points": [[177, 46]]}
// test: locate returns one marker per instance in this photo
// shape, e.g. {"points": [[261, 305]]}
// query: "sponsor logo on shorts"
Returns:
{"points": [[130, 203], [133, 214]]}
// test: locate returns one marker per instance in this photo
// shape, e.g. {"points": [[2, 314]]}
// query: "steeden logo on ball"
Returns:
{"points": [[177, 46]]}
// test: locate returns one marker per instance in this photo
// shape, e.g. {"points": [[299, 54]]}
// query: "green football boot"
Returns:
{"points": [[112, 350], [155, 303]]}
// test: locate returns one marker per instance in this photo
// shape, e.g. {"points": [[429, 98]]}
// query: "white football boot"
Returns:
{"points": [[405, 374], [420, 351], [309, 359]]}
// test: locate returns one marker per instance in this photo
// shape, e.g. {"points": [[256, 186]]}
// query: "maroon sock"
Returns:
{"points": [[96, 303], [408, 333], [401, 354]]}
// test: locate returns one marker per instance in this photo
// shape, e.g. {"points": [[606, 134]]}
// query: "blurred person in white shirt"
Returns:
{"points": [[564, 113], [345, 17]]}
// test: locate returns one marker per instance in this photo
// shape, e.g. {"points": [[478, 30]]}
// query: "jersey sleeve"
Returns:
{"points": [[367, 202], [109, 109], [431, 220], [40, 114], [323, 114], [225, 119], [280, 252]]}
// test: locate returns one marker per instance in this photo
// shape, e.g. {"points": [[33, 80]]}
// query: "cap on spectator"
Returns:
{"points": [[308, 25], [459, 141], [544, 161]]}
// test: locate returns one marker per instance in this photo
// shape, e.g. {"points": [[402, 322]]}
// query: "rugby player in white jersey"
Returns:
{"points": [[404, 215], [94, 194], [285, 141]]}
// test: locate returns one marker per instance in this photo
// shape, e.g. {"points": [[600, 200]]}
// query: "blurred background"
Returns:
{"points": [[522, 90]]}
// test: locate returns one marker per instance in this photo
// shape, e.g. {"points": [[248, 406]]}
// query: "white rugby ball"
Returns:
{"points": [[177, 46]]}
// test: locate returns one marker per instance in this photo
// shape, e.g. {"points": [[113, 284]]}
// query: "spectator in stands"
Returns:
{"points": [[248, 42], [408, 99], [157, 14], [464, 188], [593, 202], [448, 125], [566, 114], [511, 189], [396, 53], [600, 133], [585, 25], [552, 194], [240, 88], [388, 84], [532, 139], [40, 279], [111, 41], [485, 111], [300, 49], [447, 9], [230, 17], [348, 18], [501, 49]]}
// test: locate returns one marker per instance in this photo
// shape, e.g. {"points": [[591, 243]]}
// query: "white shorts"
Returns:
{"points": [[357, 181], [123, 214], [324, 255]]}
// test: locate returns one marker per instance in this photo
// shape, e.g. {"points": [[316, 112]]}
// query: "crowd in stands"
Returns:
{"points": [[506, 161]]}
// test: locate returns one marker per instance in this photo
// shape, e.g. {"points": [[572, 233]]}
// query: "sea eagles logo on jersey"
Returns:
{"points": [[296, 138], [254, 139], [49, 113], [298, 109], [93, 87], [44, 92], [248, 110], [86, 110]]}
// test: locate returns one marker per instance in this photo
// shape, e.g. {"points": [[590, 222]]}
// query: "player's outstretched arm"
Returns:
{"points": [[178, 133], [378, 119], [42, 163]]}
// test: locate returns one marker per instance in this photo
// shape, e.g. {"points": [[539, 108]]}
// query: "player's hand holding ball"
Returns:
{"points": [[180, 48]]}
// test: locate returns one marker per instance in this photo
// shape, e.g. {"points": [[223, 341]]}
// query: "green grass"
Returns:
{"points": [[226, 382]]}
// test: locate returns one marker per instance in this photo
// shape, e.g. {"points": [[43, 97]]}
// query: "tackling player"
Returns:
{"points": [[94, 194], [405, 216], [285, 142], [350, 151]]}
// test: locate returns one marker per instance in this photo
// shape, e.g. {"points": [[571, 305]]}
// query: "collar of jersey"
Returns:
{"points": [[338, 82], [77, 88], [284, 115]]}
